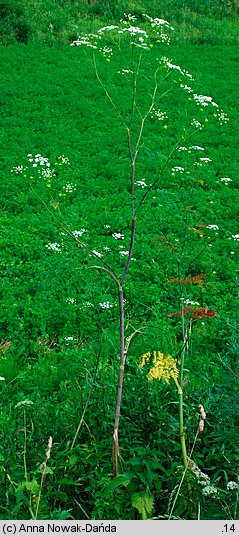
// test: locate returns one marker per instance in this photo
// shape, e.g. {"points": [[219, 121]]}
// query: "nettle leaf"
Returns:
{"points": [[144, 503]]}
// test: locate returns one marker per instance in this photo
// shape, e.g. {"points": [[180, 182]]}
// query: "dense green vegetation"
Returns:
{"points": [[52, 21], [66, 207]]}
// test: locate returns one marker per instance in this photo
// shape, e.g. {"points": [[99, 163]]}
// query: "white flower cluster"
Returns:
{"points": [[69, 187], [235, 237], [142, 184], [46, 173], [222, 117], [197, 148], [213, 227], [35, 162], [204, 481], [202, 478], [96, 253], [195, 123], [138, 37], [177, 169], [232, 485], [105, 305], [118, 236], [107, 29], [76, 234], [18, 170], [161, 28], [161, 116], [23, 403], [86, 40], [189, 149], [158, 23], [54, 246], [71, 300], [128, 17], [209, 491], [68, 340], [205, 160], [88, 304], [38, 159], [62, 159], [133, 31], [123, 253], [167, 62], [125, 71], [106, 52], [204, 100], [226, 180], [187, 88], [41, 165], [202, 161], [189, 302]]}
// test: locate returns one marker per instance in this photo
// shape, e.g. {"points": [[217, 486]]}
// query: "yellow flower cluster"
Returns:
{"points": [[164, 367]]}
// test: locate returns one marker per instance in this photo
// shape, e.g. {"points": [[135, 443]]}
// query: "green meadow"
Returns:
{"points": [[119, 262]]}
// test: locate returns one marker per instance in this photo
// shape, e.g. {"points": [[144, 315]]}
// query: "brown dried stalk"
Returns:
{"points": [[43, 469]]}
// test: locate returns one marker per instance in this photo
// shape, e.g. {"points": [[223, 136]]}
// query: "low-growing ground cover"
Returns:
{"points": [[66, 167]]}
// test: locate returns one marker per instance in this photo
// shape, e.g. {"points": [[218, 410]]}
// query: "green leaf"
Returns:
{"points": [[144, 503], [121, 480], [68, 482], [47, 470], [33, 487], [73, 460]]}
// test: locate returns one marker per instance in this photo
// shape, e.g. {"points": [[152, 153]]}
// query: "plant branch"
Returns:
{"points": [[130, 251], [69, 232], [159, 175], [107, 94], [88, 399]]}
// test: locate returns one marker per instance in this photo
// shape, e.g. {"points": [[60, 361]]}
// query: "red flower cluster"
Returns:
{"points": [[199, 313]]}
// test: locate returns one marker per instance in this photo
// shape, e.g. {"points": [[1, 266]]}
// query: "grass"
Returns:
{"points": [[59, 344], [51, 22]]}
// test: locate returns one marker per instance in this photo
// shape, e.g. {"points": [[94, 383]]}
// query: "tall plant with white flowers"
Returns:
{"points": [[133, 43], [128, 46]]}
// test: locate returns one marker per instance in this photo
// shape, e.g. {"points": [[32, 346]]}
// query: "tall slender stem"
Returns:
{"points": [[181, 426], [130, 251], [116, 452], [25, 446]]}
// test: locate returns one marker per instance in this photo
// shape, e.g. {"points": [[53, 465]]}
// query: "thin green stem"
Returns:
{"points": [[39, 496], [116, 452], [25, 446], [183, 475], [87, 401], [181, 426]]}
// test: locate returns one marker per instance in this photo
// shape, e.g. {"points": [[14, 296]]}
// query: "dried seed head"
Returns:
{"points": [[202, 412], [43, 467], [202, 416], [48, 452], [201, 426]]}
